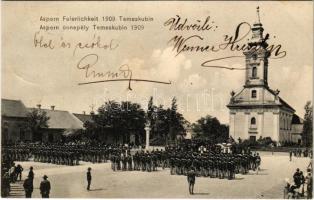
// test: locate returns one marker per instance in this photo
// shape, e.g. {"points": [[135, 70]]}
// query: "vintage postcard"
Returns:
{"points": [[156, 99]]}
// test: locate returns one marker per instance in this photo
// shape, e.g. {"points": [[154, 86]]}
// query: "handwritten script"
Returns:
{"points": [[233, 43], [87, 63]]}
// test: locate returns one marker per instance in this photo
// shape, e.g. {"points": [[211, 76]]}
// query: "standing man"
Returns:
{"points": [[191, 180], [28, 187], [309, 185], [31, 173], [89, 178], [45, 187]]}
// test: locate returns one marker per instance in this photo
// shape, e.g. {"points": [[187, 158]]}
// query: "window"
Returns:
{"points": [[253, 94], [254, 72], [253, 138], [253, 121]]}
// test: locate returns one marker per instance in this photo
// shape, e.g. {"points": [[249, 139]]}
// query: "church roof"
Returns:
{"points": [[13, 108], [296, 119], [283, 102]]}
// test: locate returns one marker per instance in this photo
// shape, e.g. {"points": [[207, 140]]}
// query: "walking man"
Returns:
{"points": [[191, 180], [89, 178], [45, 187], [28, 187]]}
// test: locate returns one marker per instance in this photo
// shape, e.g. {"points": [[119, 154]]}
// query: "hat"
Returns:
{"points": [[89, 168], [45, 176], [31, 167]]}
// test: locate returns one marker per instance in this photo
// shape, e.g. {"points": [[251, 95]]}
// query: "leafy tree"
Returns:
{"points": [[210, 128], [37, 119], [307, 134], [177, 121], [118, 119]]}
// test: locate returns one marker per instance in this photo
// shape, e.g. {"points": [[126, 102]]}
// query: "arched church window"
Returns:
{"points": [[253, 121], [254, 72], [253, 94]]}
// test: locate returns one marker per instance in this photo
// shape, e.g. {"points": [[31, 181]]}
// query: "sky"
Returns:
{"points": [[38, 75]]}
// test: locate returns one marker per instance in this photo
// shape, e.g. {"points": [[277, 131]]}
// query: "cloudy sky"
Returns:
{"points": [[50, 76]]}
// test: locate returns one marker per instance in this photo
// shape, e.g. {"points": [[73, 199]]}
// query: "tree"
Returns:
{"points": [[307, 133], [37, 119], [177, 121], [209, 128], [118, 119], [166, 123]]}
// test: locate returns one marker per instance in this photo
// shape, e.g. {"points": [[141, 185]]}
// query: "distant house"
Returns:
{"points": [[61, 123], [83, 117], [13, 121]]}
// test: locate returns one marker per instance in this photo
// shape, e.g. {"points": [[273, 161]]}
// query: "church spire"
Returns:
{"points": [[258, 17], [257, 30]]}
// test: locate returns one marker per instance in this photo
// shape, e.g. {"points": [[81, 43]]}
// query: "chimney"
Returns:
{"points": [[52, 107], [38, 106], [84, 113]]}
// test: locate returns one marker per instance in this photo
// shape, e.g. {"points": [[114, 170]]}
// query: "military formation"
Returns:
{"points": [[207, 163], [69, 154], [207, 160]]}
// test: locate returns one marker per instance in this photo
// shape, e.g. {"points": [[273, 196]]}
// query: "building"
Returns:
{"points": [[14, 122], [257, 110], [83, 117], [61, 123], [296, 129]]}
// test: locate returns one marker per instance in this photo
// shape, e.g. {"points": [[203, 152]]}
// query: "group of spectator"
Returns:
{"points": [[301, 187]]}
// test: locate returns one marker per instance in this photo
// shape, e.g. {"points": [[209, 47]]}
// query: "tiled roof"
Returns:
{"points": [[13, 108], [59, 119]]}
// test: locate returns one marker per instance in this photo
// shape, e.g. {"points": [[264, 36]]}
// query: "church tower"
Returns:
{"points": [[258, 111], [256, 57]]}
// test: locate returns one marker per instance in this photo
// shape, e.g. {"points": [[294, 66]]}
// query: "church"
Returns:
{"points": [[257, 110]]}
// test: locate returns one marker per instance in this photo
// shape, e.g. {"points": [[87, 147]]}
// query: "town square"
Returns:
{"points": [[209, 100]]}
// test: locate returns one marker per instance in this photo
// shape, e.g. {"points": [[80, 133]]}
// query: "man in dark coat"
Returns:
{"points": [[31, 173], [18, 171], [28, 187], [89, 178], [45, 187], [191, 180]]}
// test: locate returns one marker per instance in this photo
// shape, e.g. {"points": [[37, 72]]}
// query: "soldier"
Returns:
{"points": [[258, 162], [129, 160], [135, 160], [89, 177], [191, 180]]}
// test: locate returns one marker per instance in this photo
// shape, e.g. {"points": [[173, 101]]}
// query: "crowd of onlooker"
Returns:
{"points": [[10, 173], [302, 185]]}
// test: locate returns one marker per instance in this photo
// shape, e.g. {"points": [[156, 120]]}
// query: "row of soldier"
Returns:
{"points": [[60, 154], [208, 164], [211, 163]]}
